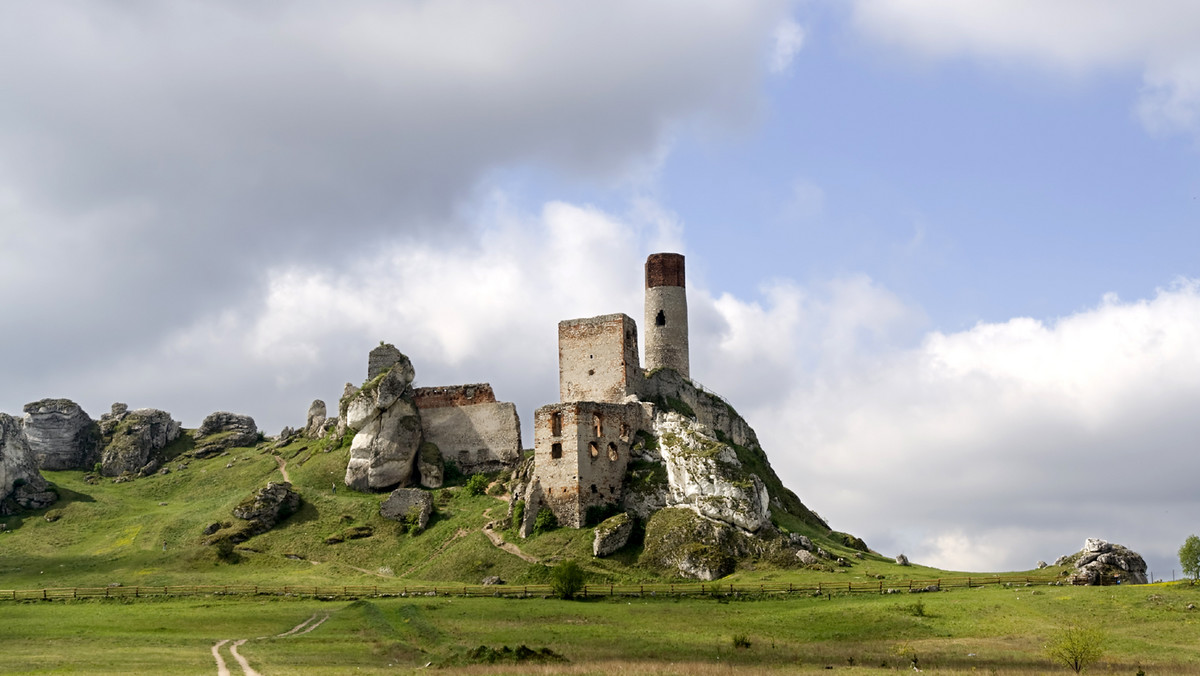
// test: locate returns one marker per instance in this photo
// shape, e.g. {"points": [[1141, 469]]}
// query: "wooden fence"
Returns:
{"points": [[535, 591]]}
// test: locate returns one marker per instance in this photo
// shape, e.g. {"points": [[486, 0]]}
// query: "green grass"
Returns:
{"points": [[983, 630]]}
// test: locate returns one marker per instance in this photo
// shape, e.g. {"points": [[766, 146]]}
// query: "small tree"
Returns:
{"points": [[1077, 647], [477, 484], [1189, 557], [567, 579]]}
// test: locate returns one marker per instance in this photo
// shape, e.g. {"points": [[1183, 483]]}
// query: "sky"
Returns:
{"points": [[941, 255]]}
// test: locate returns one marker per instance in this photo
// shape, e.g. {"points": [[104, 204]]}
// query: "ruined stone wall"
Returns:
{"points": [[581, 450], [453, 395], [483, 437], [666, 319], [598, 359]]}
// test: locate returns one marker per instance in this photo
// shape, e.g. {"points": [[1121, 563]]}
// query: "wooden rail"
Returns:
{"points": [[534, 590]]}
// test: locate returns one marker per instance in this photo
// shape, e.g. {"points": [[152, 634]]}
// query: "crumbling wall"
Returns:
{"points": [[453, 395], [483, 437], [598, 359], [581, 451]]}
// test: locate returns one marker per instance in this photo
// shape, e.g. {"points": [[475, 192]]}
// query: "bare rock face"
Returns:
{"points": [[61, 435], [314, 425], [132, 440], [430, 467], [267, 507], [222, 430], [21, 485], [705, 474], [612, 534], [1100, 559], [404, 501], [388, 431]]}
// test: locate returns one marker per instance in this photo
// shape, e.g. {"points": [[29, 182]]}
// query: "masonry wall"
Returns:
{"points": [[470, 427], [581, 451], [666, 318], [598, 359]]}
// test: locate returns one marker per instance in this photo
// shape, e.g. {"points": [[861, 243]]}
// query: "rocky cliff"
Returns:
{"points": [[61, 435], [21, 485]]}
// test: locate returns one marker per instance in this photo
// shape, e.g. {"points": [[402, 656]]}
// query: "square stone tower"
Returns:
{"points": [[598, 359]]}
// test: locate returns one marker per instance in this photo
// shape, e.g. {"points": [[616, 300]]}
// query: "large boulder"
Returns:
{"points": [[680, 541], [21, 485], [223, 430], [132, 440], [61, 435], [314, 424], [388, 431], [267, 507], [612, 534], [382, 359], [430, 466], [405, 501], [1101, 561]]}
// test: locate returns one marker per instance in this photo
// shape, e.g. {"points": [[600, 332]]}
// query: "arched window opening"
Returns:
{"points": [[594, 488], [660, 319], [598, 424], [594, 449], [612, 452], [624, 432]]}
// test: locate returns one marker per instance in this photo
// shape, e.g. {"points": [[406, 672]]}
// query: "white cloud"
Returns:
{"points": [[1159, 38], [789, 39]]}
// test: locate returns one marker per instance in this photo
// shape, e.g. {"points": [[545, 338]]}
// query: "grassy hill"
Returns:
{"points": [[102, 532], [149, 531]]}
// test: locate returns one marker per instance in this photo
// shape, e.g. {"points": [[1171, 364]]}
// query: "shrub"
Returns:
{"points": [[518, 514], [545, 521], [740, 641], [477, 484], [1189, 557], [412, 520], [567, 579], [1077, 647]]}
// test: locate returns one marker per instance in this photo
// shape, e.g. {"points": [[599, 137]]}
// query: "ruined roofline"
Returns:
{"points": [[601, 319], [444, 396]]}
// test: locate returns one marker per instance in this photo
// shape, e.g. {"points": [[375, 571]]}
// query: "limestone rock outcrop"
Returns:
{"points": [[405, 501], [21, 485], [61, 435], [387, 430], [223, 430], [132, 440], [681, 541], [705, 474], [430, 466], [314, 424], [382, 359], [612, 534], [267, 507], [1100, 560]]}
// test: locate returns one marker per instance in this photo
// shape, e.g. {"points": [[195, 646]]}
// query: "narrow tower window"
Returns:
{"points": [[612, 452], [594, 449], [598, 424], [556, 424], [556, 451], [660, 319]]}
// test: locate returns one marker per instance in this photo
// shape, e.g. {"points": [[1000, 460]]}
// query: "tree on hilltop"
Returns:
{"points": [[1189, 557]]}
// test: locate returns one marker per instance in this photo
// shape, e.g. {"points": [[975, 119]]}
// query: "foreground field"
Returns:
{"points": [[985, 630]]}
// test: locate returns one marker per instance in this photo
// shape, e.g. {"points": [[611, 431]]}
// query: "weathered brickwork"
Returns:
{"points": [[581, 451], [598, 359], [453, 395]]}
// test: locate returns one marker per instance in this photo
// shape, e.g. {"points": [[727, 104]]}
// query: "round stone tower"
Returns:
{"points": [[666, 314]]}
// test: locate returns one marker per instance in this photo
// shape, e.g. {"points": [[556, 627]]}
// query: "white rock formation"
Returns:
{"points": [[388, 431], [21, 485], [61, 435]]}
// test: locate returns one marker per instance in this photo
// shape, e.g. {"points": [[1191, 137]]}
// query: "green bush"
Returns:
{"points": [[518, 514], [567, 579], [1076, 646], [477, 484], [546, 521], [1189, 557]]}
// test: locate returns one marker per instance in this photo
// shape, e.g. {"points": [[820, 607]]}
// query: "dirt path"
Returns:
{"points": [[283, 468], [247, 670], [498, 541]]}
